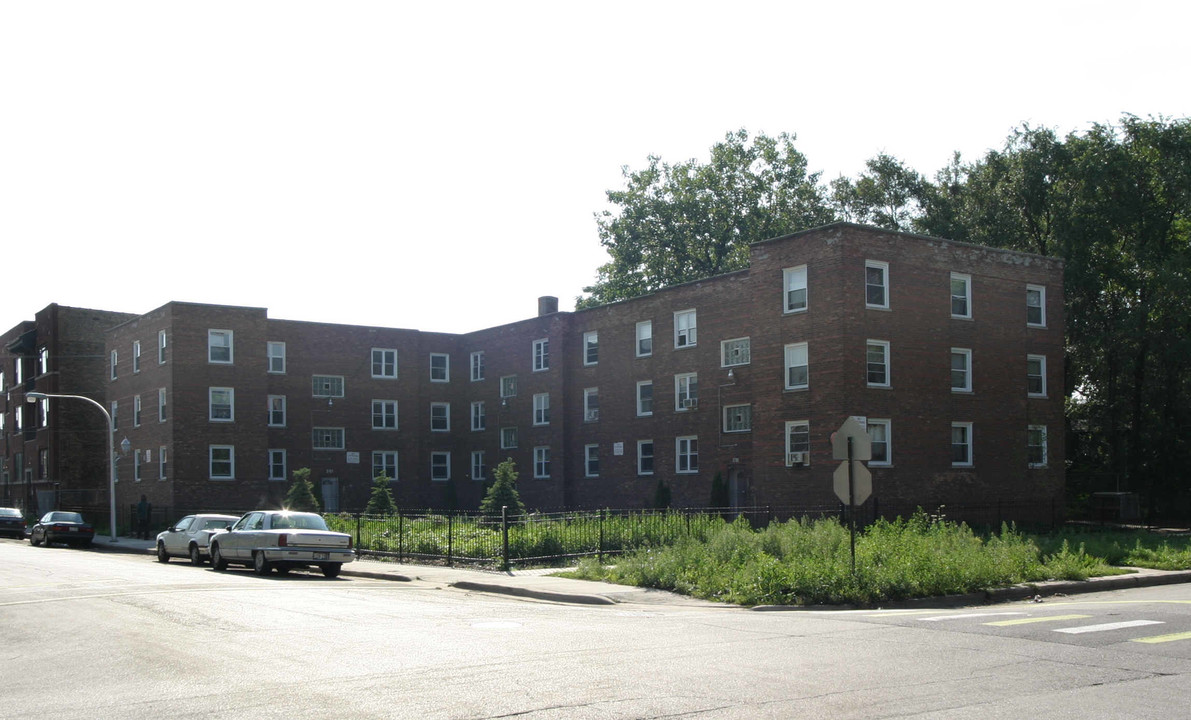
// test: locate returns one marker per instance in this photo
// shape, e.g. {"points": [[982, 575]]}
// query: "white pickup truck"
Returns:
{"points": [[268, 539]]}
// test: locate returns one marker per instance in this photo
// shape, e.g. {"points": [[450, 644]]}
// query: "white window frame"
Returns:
{"points": [[479, 418], [43, 412], [440, 367], [736, 352], [212, 346], [162, 404], [324, 386], [231, 404], [541, 409], [477, 366], [479, 469], [739, 415], [793, 280], [162, 464], [591, 461], [887, 426], [328, 438], [271, 410], [440, 414], [440, 460], [1030, 431], [641, 410], [966, 355], [508, 386], [644, 338], [802, 428], [114, 412], [884, 268], [385, 460], [275, 357], [797, 355], [683, 394], [591, 404], [136, 358], [277, 457], [387, 411], [967, 444], [686, 454], [508, 438], [115, 362], [885, 363], [384, 363], [642, 457], [1041, 359], [541, 354], [162, 344], [541, 462], [966, 296], [1041, 290], [136, 412], [686, 331], [230, 461], [591, 348]]}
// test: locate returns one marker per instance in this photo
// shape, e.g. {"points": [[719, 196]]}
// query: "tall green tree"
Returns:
{"points": [[381, 501], [301, 493], [887, 194], [687, 221], [503, 491]]}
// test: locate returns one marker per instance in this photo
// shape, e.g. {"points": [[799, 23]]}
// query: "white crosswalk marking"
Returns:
{"points": [[964, 616], [1108, 626]]}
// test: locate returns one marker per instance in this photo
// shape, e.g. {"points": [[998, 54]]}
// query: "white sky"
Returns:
{"points": [[436, 165]]}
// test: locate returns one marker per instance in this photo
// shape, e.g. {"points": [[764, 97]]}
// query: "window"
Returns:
{"points": [[645, 338], [328, 386], [43, 411], [645, 398], [541, 409], [1036, 375], [591, 404], [161, 345], [327, 438], [219, 346], [508, 438], [221, 402], [477, 366], [384, 363], [162, 465], [114, 359], [685, 334], [686, 454], [508, 386], [440, 466], [384, 462], [384, 414], [162, 412], [114, 413], [541, 355], [136, 357], [876, 284], [479, 419], [738, 418], [136, 465], [735, 352], [961, 444], [440, 417], [276, 410], [18, 417], [136, 411], [541, 462], [18, 370], [645, 457], [43, 359], [877, 357], [797, 370], [961, 370], [794, 282], [878, 434], [591, 348], [1036, 445], [277, 465], [961, 296], [1035, 306], [479, 470], [686, 391], [798, 442], [275, 354], [591, 460], [221, 461], [440, 367]]}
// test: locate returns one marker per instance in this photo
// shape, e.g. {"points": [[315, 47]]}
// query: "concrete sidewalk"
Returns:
{"points": [[542, 585]]}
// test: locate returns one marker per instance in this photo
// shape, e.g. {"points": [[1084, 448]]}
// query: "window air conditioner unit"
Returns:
{"points": [[797, 458], [690, 403], [592, 415]]}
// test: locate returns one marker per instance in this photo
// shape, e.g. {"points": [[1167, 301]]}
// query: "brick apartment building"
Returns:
{"points": [[951, 353]]}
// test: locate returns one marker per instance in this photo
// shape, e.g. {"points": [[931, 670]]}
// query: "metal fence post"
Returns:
{"points": [[400, 536], [358, 516], [504, 537], [600, 549], [450, 538]]}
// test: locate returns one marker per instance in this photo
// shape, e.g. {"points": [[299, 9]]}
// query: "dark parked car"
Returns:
{"points": [[12, 522], [62, 527]]}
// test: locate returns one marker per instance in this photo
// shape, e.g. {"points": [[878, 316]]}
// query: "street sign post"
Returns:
{"points": [[852, 481]]}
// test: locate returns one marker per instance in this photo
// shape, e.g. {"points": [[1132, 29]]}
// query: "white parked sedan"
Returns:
{"points": [[267, 539], [190, 536]]}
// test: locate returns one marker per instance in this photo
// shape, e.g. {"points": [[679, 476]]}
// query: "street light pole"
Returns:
{"points": [[33, 397]]}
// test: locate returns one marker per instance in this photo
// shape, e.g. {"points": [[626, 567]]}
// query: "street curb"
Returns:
{"points": [[571, 598]]}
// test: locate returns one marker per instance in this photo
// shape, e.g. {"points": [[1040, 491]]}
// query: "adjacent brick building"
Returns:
{"points": [[951, 353]]}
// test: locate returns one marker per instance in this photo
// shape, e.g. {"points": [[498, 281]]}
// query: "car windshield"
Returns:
{"points": [[218, 524], [297, 521], [65, 517], [10, 512]]}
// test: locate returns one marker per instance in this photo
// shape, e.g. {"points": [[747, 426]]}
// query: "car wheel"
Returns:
{"points": [[162, 555], [331, 569], [217, 560], [196, 558], [34, 541], [260, 564]]}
